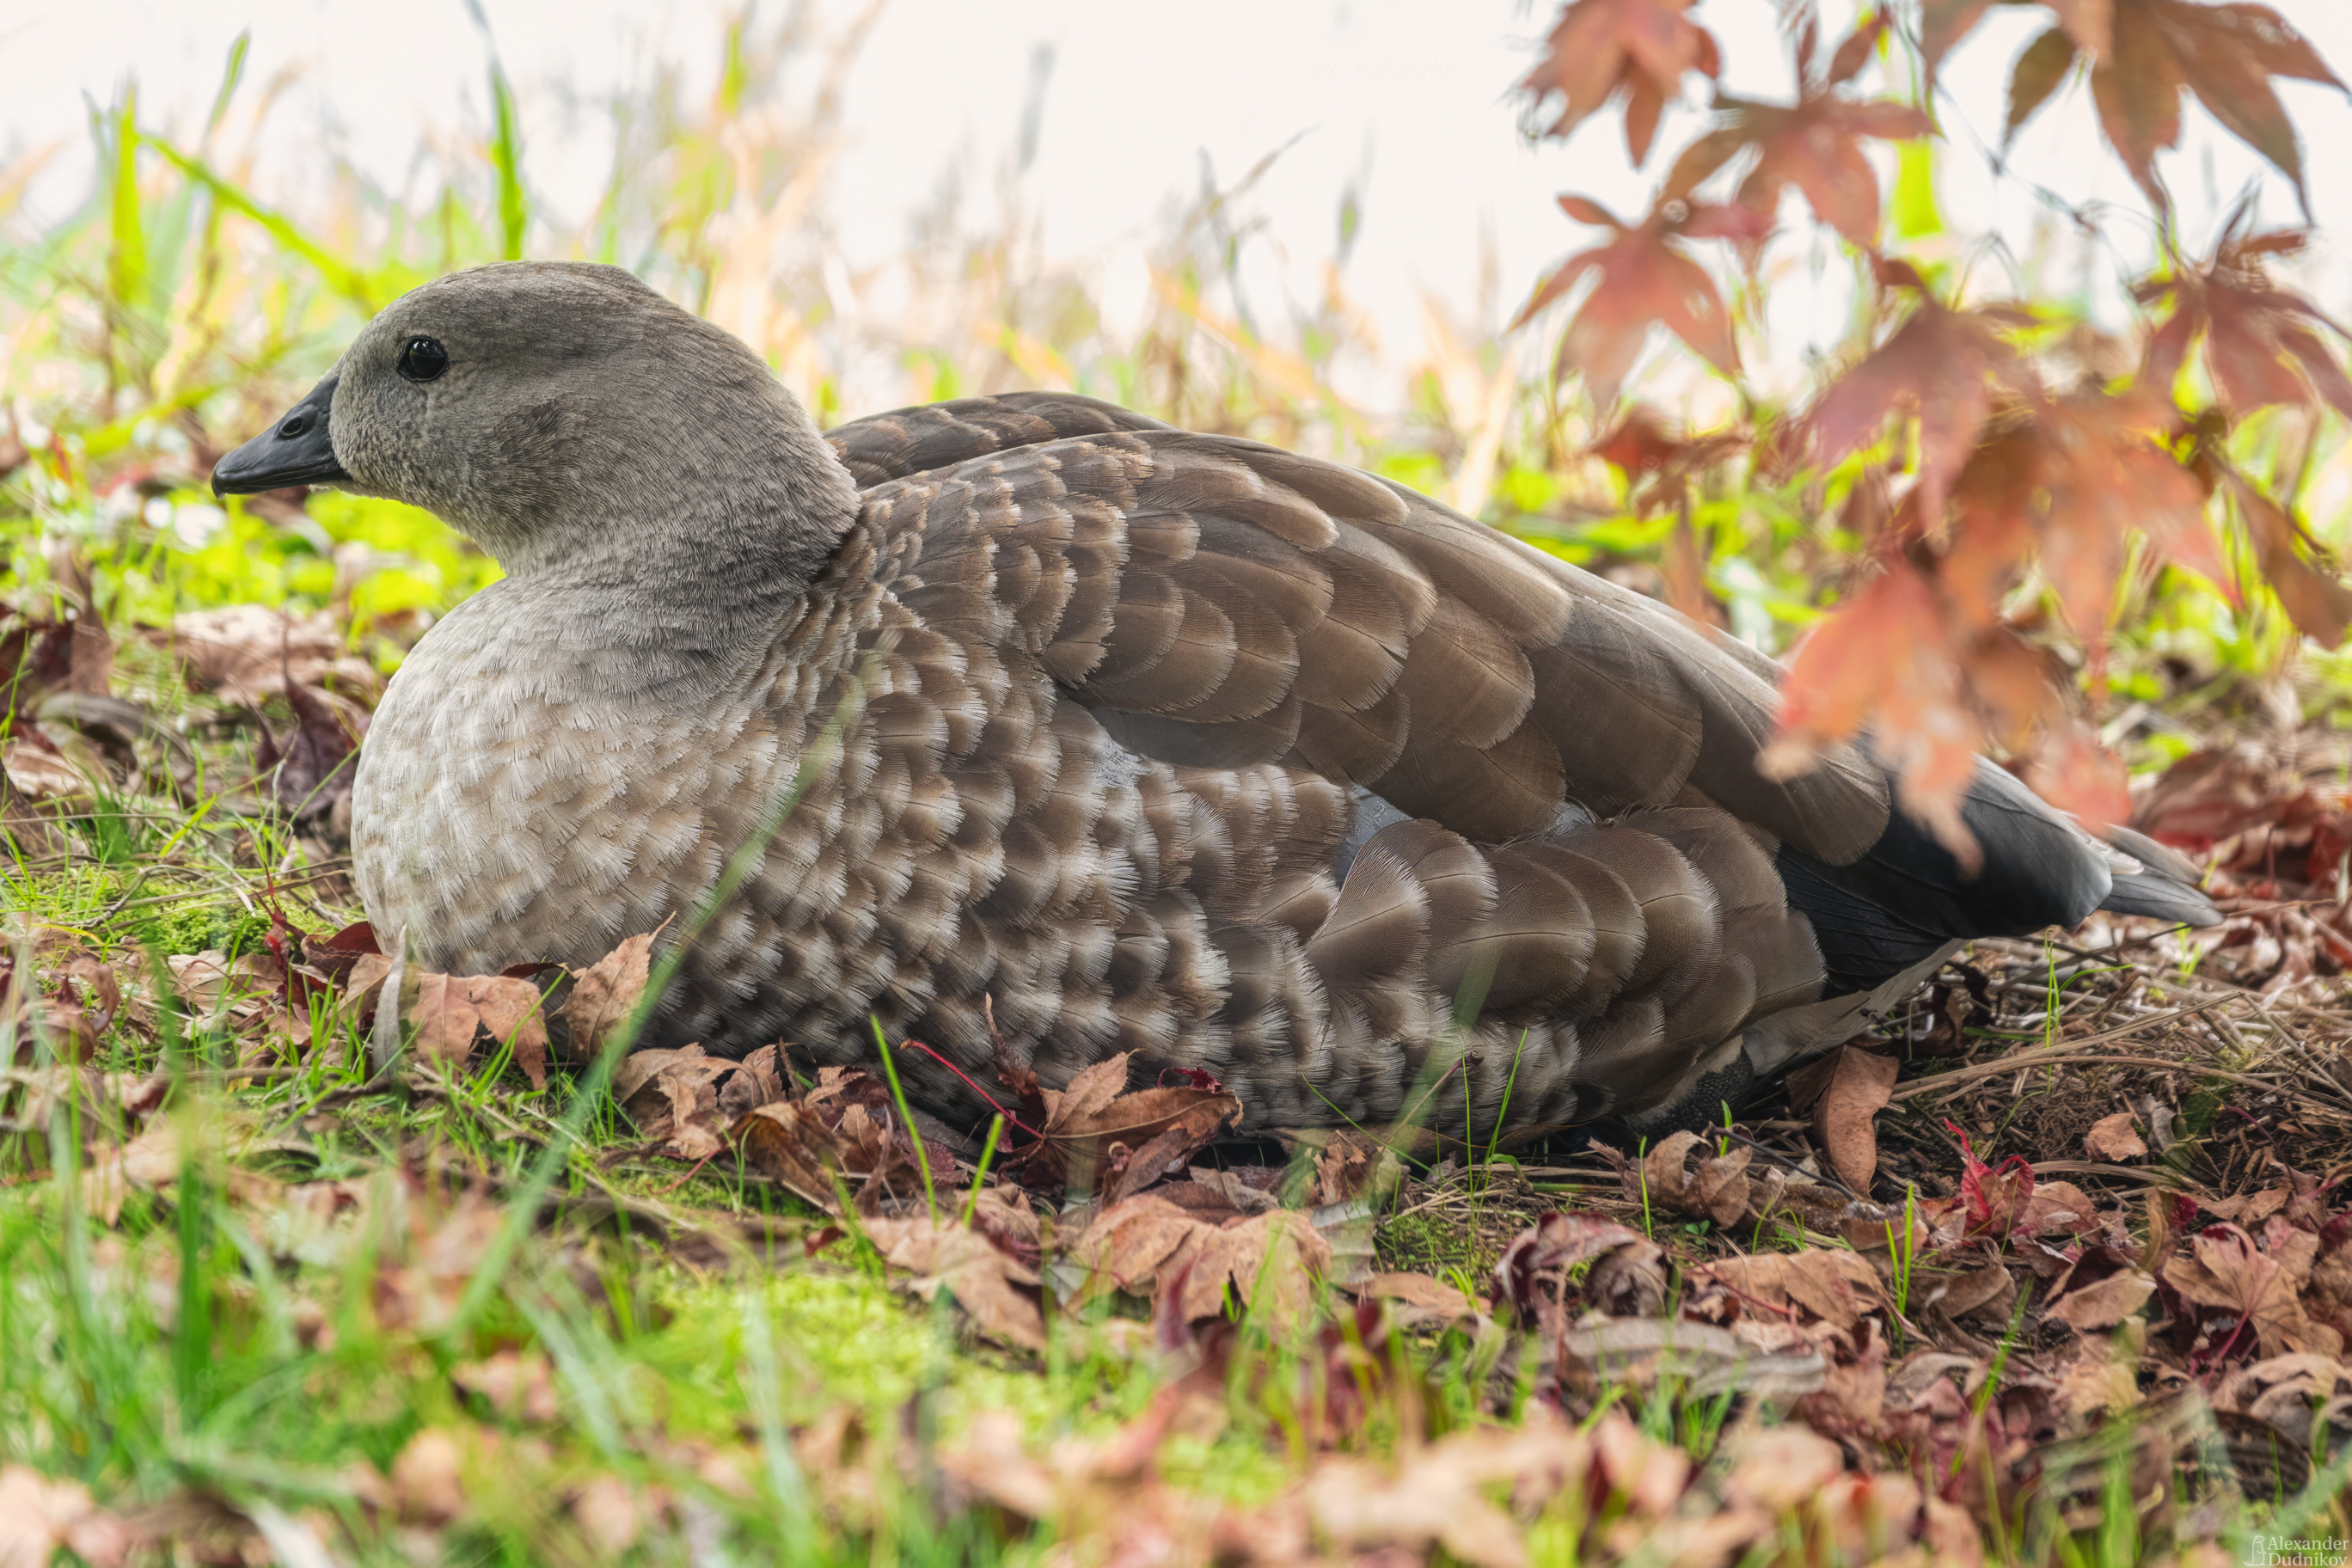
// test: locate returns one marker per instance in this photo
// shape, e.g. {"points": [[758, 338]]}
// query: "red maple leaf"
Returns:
{"points": [[1921, 651], [2298, 568], [1658, 460], [1943, 23], [2225, 54], [2262, 342], [1600, 48], [1646, 279], [1814, 145], [1941, 365]]}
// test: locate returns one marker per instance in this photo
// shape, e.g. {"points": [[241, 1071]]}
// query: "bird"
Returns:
{"points": [[1037, 730]]}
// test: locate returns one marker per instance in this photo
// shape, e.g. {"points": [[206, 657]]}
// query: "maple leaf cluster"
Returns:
{"points": [[1986, 486]]}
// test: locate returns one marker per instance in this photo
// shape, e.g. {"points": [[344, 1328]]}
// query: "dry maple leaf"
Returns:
{"points": [[2225, 54], [451, 1009], [605, 993], [989, 1284], [243, 653], [1834, 1285], [2101, 1306], [2224, 1269], [1715, 1188], [1844, 1091], [672, 1096], [1531, 1275], [1149, 1246], [1646, 279], [803, 1146], [2115, 1138], [1436, 1495], [1084, 1123], [1599, 48]]}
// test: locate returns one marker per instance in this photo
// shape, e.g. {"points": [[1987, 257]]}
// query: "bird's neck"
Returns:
{"points": [[725, 560]]}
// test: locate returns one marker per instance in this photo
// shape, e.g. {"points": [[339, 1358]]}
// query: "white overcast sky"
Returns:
{"points": [[1410, 99]]}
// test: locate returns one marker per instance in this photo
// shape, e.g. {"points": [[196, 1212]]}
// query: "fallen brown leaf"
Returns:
{"points": [[987, 1283], [605, 994], [243, 653], [1835, 1286], [39, 1516], [1845, 1091], [1149, 1246], [1085, 1122], [2224, 1269], [1436, 1496], [2114, 1138], [2105, 1304], [1715, 1188]]}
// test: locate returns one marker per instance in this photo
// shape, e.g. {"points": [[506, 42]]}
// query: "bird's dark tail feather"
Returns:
{"points": [[2164, 887]]}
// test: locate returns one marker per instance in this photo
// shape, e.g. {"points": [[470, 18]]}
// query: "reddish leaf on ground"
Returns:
{"points": [[993, 1287], [2260, 1285], [1149, 1246], [843, 1131], [2103, 1305], [1994, 1199], [1600, 48], [673, 1097], [1835, 1286], [445, 1020], [1715, 1188], [1530, 1272]]}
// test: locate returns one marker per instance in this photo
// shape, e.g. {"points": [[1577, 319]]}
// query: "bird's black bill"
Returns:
{"points": [[297, 451]]}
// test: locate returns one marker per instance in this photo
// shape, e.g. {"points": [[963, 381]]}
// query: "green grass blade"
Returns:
{"points": [[339, 275], [506, 158], [906, 1117], [231, 75], [126, 259]]}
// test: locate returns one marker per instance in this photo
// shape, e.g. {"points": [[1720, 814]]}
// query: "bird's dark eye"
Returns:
{"points": [[423, 359]]}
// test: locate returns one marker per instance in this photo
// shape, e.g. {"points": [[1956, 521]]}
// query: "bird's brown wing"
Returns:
{"points": [[932, 437], [1219, 602]]}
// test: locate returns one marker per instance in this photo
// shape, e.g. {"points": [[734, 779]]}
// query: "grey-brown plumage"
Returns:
{"points": [[1145, 740]]}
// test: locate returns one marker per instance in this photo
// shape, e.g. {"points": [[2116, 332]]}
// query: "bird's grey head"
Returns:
{"points": [[569, 419]]}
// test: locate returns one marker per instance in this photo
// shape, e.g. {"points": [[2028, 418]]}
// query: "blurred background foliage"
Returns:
{"points": [[180, 309]]}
